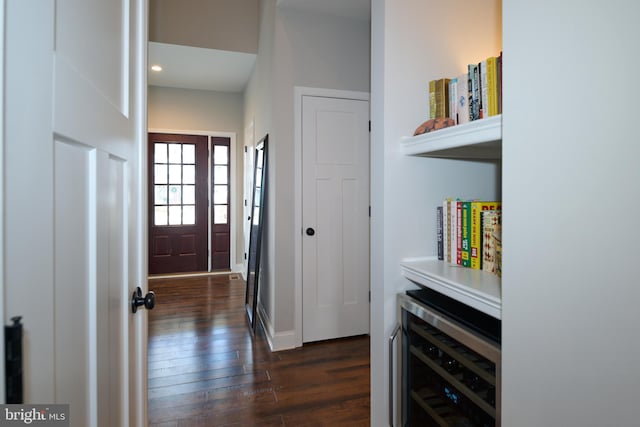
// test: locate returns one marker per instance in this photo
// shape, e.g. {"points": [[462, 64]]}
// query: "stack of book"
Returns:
{"points": [[469, 234], [471, 96]]}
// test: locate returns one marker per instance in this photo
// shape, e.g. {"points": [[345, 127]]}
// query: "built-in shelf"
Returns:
{"points": [[479, 139], [475, 288]]}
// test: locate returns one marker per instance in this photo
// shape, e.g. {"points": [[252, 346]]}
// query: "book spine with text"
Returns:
{"points": [[466, 234], [492, 85], [484, 100], [439, 232], [453, 246], [491, 221], [432, 99], [477, 208], [442, 98], [462, 93], [446, 232], [453, 97], [459, 233]]}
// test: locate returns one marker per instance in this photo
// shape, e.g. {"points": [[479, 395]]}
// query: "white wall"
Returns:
{"points": [[213, 24], [571, 196], [295, 49], [408, 52], [197, 110]]}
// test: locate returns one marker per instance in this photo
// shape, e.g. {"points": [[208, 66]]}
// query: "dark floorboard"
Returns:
{"points": [[206, 369]]}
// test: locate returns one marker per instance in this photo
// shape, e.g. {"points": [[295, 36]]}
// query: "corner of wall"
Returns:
{"points": [[277, 340]]}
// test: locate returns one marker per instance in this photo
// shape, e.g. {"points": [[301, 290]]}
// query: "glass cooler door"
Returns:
{"points": [[445, 382]]}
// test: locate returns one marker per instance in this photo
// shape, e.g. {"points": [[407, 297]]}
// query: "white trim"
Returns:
{"points": [[278, 341], [232, 184], [298, 93]]}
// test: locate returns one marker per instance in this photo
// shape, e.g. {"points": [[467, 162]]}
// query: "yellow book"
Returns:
{"points": [[476, 230], [492, 86], [442, 98]]}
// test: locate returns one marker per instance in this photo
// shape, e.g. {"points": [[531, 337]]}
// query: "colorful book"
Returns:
{"points": [[492, 86], [439, 232], [466, 234], [458, 232], [477, 207], [499, 67], [491, 231], [474, 92], [462, 93]]}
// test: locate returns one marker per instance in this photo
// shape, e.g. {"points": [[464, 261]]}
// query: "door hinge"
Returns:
{"points": [[245, 148], [245, 255], [369, 125], [369, 296], [369, 211]]}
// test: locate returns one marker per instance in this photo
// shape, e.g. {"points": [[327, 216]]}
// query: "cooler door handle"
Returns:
{"points": [[392, 339]]}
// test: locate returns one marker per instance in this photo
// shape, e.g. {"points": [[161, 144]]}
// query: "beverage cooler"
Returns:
{"points": [[449, 363]]}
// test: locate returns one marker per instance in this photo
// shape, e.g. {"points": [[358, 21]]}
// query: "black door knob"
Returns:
{"points": [[149, 300], [310, 231]]}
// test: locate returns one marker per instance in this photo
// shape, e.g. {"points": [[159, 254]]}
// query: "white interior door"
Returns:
{"points": [[75, 96], [335, 217]]}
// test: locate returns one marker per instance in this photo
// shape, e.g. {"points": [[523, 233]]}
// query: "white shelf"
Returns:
{"points": [[479, 139], [475, 288]]}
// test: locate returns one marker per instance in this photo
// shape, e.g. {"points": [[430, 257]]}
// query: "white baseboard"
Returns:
{"points": [[277, 341], [239, 268]]}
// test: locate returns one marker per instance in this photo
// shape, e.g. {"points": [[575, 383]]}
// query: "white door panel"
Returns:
{"points": [[77, 202], [335, 259]]}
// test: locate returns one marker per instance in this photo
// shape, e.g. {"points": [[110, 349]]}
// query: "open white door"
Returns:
{"points": [[74, 244]]}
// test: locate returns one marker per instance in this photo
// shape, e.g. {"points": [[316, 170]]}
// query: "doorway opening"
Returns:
{"points": [[190, 203]]}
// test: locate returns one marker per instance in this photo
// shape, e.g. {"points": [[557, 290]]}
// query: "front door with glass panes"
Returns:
{"points": [[178, 217]]}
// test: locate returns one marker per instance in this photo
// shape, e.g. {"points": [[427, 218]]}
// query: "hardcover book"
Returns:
{"points": [[466, 241], [439, 232], [432, 99], [462, 93], [453, 99], [477, 207], [491, 230], [484, 93], [442, 98], [458, 233], [492, 85], [474, 92], [446, 231], [453, 243]]}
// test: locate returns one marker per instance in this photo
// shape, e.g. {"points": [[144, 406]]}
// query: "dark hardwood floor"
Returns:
{"points": [[206, 369]]}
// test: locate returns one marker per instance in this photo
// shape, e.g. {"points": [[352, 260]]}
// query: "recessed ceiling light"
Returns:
{"points": [[156, 68]]}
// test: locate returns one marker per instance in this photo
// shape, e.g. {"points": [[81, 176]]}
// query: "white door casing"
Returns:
{"points": [[249, 148], [335, 204], [75, 98]]}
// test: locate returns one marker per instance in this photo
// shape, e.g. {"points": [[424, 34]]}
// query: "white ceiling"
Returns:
{"points": [[197, 68], [223, 71]]}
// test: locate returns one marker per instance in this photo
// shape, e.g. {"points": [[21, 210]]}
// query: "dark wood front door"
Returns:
{"points": [[177, 203], [220, 203]]}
